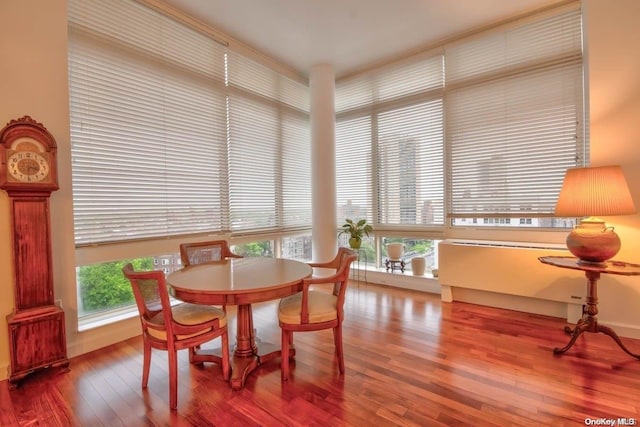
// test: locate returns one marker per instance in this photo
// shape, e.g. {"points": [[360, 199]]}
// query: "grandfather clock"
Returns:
{"points": [[28, 174]]}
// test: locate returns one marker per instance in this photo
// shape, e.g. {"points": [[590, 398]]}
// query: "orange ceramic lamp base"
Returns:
{"points": [[592, 242]]}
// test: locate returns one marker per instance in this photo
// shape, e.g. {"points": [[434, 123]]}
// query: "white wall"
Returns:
{"points": [[613, 37], [33, 81]]}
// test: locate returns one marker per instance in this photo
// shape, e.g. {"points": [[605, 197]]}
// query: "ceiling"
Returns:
{"points": [[348, 34]]}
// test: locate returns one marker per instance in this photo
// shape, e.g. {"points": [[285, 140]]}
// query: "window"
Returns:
{"points": [[269, 149], [410, 158], [297, 247], [175, 134], [103, 287], [166, 125], [477, 134], [258, 249], [515, 120], [413, 247], [390, 145], [354, 183], [104, 294], [367, 251], [148, 124]]}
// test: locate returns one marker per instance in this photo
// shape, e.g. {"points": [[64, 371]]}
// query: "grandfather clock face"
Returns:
{"points": [[28, 157], [27, 162]]}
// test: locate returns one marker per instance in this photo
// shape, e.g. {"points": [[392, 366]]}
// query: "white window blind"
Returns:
{"points": [[151, 130], [296, 171], [253, 155], [390, 144], [495, 119], [148, 125], [415, 76], [354, 183], [514, 117], [269, 149], [411, 164]]}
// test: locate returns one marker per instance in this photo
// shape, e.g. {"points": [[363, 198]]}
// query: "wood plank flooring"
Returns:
{"points": [[411, 360]]}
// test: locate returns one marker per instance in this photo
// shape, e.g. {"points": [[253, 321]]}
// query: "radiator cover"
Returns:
{"points": [[509, 270]]}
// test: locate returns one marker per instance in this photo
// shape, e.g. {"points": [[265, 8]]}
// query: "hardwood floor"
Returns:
{"points": [[410, 361]]}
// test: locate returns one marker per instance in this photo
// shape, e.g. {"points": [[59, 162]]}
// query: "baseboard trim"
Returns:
{"points": [[97, 338]]}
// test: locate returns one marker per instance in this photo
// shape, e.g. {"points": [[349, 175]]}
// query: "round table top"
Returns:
{"points": [[610, 266], [238, 280]]}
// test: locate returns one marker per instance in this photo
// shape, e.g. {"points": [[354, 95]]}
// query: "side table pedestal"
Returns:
{"points": [[589, 320]]}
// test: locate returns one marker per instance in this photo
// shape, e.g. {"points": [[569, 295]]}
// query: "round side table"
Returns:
{"points": [[589, 320]]}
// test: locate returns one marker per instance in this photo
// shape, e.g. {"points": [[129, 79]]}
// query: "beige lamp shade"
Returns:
{"points": [[592, 191]]}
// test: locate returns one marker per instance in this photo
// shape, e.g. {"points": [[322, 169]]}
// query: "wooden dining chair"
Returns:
{"points": [[316, 309], [199, 252], [183, 326]]}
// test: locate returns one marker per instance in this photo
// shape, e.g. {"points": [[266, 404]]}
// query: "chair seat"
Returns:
{"points": [[188, 314], [322, 308]]}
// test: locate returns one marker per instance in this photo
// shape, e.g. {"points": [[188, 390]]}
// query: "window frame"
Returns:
{"points": [[366, 106]]}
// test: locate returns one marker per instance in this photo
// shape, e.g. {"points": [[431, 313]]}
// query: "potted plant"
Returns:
{"points": [[356, 230]]}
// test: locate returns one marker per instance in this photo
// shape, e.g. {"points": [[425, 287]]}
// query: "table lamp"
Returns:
{"points": [[596, 191]]}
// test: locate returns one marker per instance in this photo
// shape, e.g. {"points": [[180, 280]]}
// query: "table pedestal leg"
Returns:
{"points": [[244, 357], [249, 352], [589, 321]]}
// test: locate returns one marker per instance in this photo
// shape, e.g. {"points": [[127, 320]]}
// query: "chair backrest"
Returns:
{"points": [[342, 276], [336, 261], [152, 297], [201, 252]]}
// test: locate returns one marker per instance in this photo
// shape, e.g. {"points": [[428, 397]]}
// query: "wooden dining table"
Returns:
{"points": [[241, 282]]}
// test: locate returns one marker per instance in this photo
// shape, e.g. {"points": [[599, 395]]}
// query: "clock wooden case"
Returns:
{"points": [[28, 174]]}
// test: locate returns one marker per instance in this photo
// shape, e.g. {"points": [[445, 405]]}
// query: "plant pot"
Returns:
{"points": [[418, 265], [355, 242], [395, 251]]}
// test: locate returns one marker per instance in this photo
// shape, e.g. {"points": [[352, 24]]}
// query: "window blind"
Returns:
{"points": [[410, 164], [269, 149], [514, 117], [484, 128], [390, 144], [415, 76], [354, 155], [148, 125], [296, 171], [172, 134]]}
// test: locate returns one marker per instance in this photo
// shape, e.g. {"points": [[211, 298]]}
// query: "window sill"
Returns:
{"points": [[406, 280], [94, 321]]}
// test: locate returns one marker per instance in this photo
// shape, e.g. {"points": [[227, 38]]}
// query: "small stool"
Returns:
{"points": [[394, 263]]}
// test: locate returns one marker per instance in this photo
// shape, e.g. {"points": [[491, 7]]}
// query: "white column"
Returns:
{"points": [[323, 166]]}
